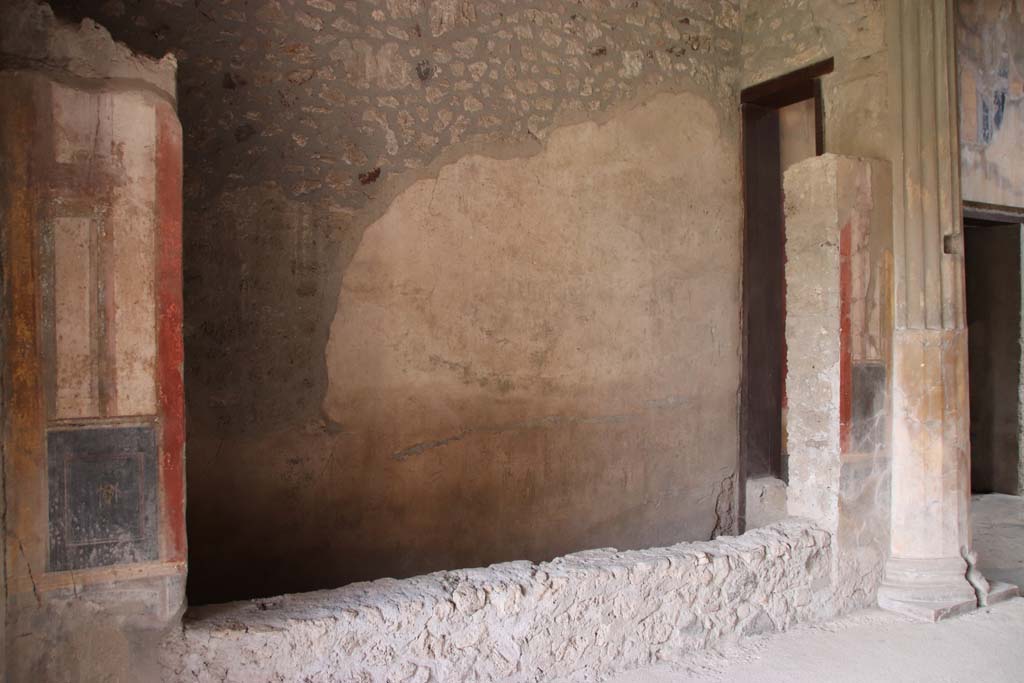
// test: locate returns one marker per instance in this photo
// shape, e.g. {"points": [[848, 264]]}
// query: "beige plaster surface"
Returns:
{"points": [[529, 356], [835, 207], [584, 284], [581, 617], [997, 525], [766, 501], [781, 36]]}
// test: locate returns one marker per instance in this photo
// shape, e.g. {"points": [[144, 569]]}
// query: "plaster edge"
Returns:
{"points": [[31, 35]]}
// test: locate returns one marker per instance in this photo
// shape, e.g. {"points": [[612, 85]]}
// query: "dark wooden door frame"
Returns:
{"points": [[992, 214], [763, 270]]}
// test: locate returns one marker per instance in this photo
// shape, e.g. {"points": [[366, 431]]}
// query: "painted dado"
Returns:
{"points": [[90, 194]]}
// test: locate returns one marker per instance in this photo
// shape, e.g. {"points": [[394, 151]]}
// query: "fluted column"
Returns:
{"points": [[926, 573]]}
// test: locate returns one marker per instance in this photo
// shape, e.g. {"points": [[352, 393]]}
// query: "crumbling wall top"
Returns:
{"points": [[31, 36]]}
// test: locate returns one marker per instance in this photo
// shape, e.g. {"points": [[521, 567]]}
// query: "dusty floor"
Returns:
{"points": [[880, 646], [998, 523], [869, 646]]}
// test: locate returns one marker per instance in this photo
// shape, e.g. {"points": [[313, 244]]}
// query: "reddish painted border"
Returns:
{"points": [[845, 361], [170, 356]]}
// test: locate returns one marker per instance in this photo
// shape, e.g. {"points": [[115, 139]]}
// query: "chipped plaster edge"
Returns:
{"points": [[485, 146], [32, 37]]}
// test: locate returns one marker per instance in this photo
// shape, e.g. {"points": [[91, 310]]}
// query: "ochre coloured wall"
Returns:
{"points": [[541, 352]]}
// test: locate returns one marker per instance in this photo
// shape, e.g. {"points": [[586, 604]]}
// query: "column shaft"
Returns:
{"points": [[926, 574]]}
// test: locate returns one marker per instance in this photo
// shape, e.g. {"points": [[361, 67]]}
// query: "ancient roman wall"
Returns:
{"points": [[990, 54], [780, 36], [577, 618], [838, 278], [461, 280], [991, 77], [93, 406]]}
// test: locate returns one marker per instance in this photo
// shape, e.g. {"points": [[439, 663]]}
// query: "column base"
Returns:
{"points": [[927, 589], [924, 610]]}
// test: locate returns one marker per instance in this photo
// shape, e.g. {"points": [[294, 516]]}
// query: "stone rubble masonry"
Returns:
{"points": [[577, 618]]}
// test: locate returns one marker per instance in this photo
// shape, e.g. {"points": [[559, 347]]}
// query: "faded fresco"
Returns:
{"points": [[990, 35]]}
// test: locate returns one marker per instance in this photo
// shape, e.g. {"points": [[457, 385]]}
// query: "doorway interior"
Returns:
{"points": [[992, 265], [782, 124]]}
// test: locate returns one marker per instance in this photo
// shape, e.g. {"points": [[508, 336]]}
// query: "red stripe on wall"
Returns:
{"points": [[170, 357], [845, 363]]}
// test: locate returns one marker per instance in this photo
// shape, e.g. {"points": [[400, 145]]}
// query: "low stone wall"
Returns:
{"points": [[576, 618]]}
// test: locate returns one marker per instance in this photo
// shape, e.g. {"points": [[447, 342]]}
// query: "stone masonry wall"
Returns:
{"points": [[577, 618], [519, 364]]}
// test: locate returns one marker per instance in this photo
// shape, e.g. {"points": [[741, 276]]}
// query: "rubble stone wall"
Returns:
{"points": [[577, 618]]}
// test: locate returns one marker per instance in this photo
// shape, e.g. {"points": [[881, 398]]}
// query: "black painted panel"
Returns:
{"points": [[103, 485], [869, 409]]}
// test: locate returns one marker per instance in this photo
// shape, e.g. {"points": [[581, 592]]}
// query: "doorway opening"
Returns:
{"points": [[992, 265], [782, 124]]}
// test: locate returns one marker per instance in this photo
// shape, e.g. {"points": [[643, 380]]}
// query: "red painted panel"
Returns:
{"points": [[169, 318]]}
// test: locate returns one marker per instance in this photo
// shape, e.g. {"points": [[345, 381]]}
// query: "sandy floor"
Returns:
{"points": [[984, 646]]}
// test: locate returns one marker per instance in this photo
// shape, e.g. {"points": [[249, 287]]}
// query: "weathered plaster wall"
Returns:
{"points": [[839, 463], [567, 319], [990, 52], [766, 501], [577, 618], [93, 406], [780, 36], [534, 362], [796, 132]]}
